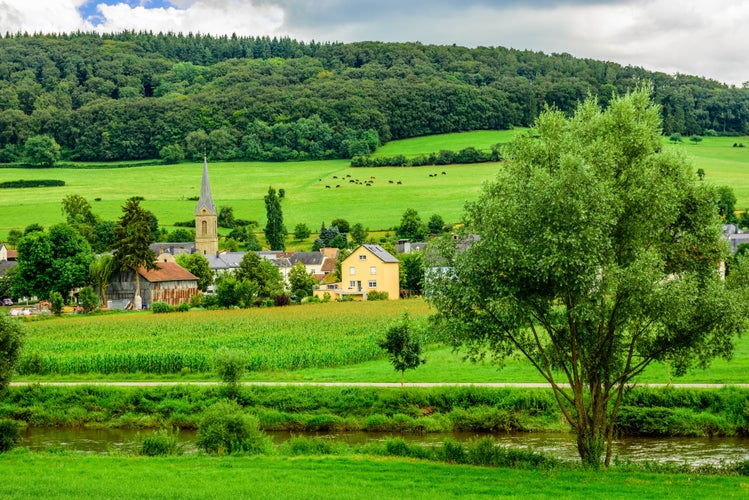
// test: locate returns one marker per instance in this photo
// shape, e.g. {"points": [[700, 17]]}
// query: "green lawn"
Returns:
{"points": [[49, 475]]}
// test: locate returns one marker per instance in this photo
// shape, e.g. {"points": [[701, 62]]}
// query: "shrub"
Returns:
{"points": [[56, 302], [88, 299], [10, 434], [11, 341], [230, 365], [183, 307], [226, 429], [375, 295], [161, 308], [160, 443]]}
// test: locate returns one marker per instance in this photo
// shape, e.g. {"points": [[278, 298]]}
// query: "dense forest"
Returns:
{"points": [[133, 96]]}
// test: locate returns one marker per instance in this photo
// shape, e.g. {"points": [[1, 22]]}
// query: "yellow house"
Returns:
{"points": [[370, 268]]}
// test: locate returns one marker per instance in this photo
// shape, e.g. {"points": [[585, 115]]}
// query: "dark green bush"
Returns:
{"points": [[226, 429], [31, 183], [160, 443], [10, 434], [161, 308]]}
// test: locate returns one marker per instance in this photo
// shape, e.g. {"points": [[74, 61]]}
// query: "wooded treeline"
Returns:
{"points": [[132, 96]]}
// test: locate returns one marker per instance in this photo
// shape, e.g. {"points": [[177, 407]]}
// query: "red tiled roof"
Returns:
{"points": [[12, 254], [167, 271]]}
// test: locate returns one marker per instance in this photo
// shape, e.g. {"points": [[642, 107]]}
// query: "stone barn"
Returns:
{"points": [[170, 283]]}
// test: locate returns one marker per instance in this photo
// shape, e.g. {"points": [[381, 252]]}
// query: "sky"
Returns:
{"points": [[695, 37]]}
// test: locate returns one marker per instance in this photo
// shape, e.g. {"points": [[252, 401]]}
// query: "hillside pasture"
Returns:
{"points": [[479, 139], [316, 191], [724, 164]]}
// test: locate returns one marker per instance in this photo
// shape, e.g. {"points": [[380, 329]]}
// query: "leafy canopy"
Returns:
{"points": [[597, 254]]}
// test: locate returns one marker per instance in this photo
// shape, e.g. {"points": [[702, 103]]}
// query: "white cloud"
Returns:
{"points": [[208, 16], [47, 16]]}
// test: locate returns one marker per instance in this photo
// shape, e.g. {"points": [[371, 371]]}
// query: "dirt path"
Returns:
{"points": [[366, 384]]}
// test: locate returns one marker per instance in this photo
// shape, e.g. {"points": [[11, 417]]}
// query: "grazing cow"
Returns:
{"points": [[444, 173], [335, 177], [327, 187], [399, 182], [390, 182], [337, 185]]}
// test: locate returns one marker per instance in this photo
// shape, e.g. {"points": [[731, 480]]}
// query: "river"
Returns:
{"points": [[694, 451]]}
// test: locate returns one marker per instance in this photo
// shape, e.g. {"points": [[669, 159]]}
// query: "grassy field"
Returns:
{"points": [[242, 185], [333, 342], [479, 139], [92, 476], [166, 190], [724, 165]]}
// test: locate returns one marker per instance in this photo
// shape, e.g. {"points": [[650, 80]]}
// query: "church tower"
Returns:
{"points": [[206, 218]]}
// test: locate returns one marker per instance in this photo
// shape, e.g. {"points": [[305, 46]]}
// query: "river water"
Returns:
{"points": [[693, 451]]}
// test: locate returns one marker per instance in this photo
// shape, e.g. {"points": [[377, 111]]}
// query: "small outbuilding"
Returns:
{"points": [[169, 282]]}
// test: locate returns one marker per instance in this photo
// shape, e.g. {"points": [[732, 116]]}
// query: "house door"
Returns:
{"points": [[358, 285]]}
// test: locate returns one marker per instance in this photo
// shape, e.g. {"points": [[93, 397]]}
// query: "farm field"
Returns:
{"points": [[329, 477], [333, 342]]}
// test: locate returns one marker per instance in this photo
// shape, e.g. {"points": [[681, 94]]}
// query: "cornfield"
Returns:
{"points": [[280, 338]]}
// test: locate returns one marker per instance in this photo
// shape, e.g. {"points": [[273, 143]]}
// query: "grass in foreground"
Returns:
{"points": [[91, 476]]}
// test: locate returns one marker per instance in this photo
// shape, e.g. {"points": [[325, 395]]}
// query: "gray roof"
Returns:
{"points": [[5, 265], [174, 248], [307, 258], [206, 200], [226, 260], [380, 253]]}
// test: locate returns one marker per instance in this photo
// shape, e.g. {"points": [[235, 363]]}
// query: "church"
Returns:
{"points": [[206, 227]]}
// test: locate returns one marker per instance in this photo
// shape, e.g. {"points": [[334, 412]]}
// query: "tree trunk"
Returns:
{"points": [[591, 443], [403, 380]]}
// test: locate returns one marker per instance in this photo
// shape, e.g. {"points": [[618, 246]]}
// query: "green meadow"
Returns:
{"points": [[242, 185], [316, 191], [95, 476], [724, 164]]}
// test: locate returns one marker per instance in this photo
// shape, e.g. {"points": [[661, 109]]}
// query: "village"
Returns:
{"points": [[367, 272]]}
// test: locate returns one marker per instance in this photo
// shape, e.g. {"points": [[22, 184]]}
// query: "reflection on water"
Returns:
{"points": [[694, 451]]}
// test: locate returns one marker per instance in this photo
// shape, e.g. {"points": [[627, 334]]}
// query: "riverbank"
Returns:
{"points": [[663, 411]]}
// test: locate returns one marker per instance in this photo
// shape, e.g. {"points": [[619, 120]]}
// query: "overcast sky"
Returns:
{"points": [[697, 37]]}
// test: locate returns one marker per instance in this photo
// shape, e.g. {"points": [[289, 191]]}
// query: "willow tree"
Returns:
{"points": [[593, 254], [132, 237]]}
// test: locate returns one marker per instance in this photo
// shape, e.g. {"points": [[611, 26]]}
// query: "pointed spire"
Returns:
{"points": [[206, 200]]}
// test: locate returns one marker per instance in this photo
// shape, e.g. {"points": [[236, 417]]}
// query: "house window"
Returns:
{"points": [[372, 284], [352, 271], [352, 284], [373, 270], [363, 257]]}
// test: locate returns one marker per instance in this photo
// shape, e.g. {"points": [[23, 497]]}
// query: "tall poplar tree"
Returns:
{"points": [[275, 231]]}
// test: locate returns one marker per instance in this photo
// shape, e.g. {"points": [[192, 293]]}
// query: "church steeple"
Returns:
{"points": [[205, 200], [206, 217]]}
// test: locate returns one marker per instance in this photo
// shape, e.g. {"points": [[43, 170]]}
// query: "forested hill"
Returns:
{"points": [[139, 95]]}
